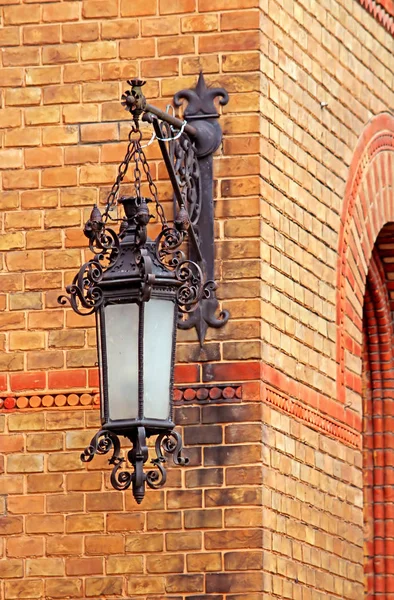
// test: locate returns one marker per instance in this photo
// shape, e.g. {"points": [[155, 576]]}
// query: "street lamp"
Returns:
{"points": [[137, 288]]}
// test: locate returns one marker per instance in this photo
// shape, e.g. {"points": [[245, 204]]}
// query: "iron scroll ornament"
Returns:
{"points": [[85, 294], [188, 156], [192, 162], [167, 443]]}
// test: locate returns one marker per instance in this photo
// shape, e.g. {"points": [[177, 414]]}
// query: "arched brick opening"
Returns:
{"points": [[367, 207], [378, 408], [365, 358]]}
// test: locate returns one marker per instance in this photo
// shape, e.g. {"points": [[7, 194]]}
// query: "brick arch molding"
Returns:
{"points": [[368, 206]]}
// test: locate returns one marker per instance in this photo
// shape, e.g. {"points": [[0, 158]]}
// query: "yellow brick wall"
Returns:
{"points": [[335, 53], [282, 521], [63, 135]]}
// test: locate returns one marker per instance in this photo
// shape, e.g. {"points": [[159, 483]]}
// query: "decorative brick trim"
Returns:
{"points": [[329, 408], [312, 418], [214, 393], [83, 399], [383, 13], [191, 395], [196, 394]]}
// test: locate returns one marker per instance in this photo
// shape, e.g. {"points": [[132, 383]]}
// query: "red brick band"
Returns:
{"points": [[312, 418], [200, 394], [85, 399], [54, 400], [327, 408]]}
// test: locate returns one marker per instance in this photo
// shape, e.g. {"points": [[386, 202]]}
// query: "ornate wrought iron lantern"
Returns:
{"points": [[137, 288]]}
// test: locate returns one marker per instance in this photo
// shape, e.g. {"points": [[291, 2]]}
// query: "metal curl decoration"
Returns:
{"points": [[210, 288], [103, 242], [190, 275], [101, 443], [84, 290], [157, 478], [170, 442], [204, 316], [120, 480], [167, 247], [101, 239]]}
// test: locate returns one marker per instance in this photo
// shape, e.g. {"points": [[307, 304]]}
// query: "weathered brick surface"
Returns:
{"points": [[271, 505], [70, 528]]}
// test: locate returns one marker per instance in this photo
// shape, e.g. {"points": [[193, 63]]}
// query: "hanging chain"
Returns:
{"points": [[137, 171], [134, 152], [152, 185], [122, 170]]}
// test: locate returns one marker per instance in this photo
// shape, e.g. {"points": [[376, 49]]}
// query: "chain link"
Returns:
{"points": [[152, 186], [134, 152], [137, 172], [112, 197]]}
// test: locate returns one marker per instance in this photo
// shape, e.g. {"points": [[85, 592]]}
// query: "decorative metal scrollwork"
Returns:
{"points": [[168, 442], [84, 290], [188, 174], [103, 442], [201, 112], [157, 478], [167, 247], [204, 315], [102, 239], [191, 290], [182, 153]]}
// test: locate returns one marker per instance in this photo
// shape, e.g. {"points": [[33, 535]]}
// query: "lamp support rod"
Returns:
{"points": [[132, 101], [164, 116]]}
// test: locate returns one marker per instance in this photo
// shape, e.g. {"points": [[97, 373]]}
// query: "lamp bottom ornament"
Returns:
{"points": [[167, 442]]}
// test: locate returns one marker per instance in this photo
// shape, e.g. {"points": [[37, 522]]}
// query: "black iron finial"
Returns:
{"points": [[201, 100]]}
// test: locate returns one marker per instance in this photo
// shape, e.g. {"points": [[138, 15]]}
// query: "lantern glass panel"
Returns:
{"points": [[159, 329], [121, 336]]}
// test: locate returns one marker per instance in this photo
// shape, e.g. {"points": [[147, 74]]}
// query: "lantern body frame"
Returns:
{"points": [[124, 283], [147, 277]]}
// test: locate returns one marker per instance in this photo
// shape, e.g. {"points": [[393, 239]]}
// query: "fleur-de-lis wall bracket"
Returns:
{"points": [[187, 147]]}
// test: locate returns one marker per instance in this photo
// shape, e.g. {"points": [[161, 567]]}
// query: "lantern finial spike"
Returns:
{"points": [[139, 494]]}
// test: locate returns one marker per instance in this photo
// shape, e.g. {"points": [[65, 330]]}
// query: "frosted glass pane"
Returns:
{"points": [[158, 332], [121, 327]]}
